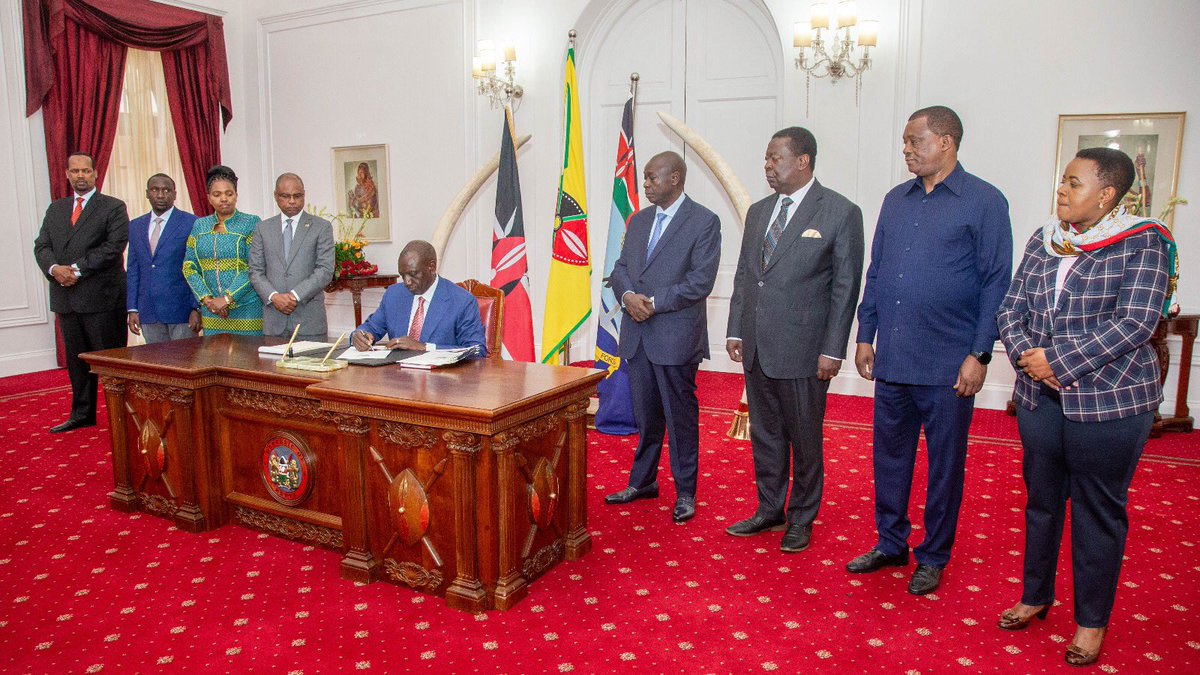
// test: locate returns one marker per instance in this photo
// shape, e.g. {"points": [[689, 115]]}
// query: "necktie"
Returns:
{"points": [[287, 240], [655, 234], [418, 322], [775, 232], [155, 235], [78, 210]]}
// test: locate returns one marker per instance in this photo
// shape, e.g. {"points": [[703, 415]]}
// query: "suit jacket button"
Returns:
{"points": [[760, 284], [152, 267]]}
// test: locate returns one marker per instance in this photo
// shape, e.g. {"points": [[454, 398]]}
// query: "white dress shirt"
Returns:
{"points": [[797, 197], [283, 218], [670, 211], [87, 197], [412, 312]]}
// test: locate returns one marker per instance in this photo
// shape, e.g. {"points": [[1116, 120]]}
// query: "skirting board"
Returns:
{"points": [[27, 362]]}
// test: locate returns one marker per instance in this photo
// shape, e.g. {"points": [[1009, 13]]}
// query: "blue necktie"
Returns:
{"points": [[655, 234]]}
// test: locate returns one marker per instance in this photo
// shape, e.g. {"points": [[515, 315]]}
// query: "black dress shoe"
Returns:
{"points": [[873, 561], [630, 494], [796, 538], [755, 524], [925, 580], [685, 509], [72, 425]]}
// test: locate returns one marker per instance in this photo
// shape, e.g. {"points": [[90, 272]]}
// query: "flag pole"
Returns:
{"points": [[565, 355]]}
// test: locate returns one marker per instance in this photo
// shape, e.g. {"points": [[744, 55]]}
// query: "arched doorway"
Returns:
{"points": [[715, 64]]}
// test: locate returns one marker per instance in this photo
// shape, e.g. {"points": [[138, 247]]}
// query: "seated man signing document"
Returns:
{"points": [[424, 312]]}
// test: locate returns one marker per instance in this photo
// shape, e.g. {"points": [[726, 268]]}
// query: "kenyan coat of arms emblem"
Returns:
{"points": [[288, 468]]}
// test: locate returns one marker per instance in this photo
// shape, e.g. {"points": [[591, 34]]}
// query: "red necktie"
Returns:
{"points": [[418, 322], [78, 210]]}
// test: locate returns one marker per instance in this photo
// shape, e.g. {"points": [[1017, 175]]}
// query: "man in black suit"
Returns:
{"points": [[79, 249], [793, 301], [667, 268]]}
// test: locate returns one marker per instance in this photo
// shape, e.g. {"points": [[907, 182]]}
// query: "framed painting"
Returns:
{"points": [[1154, 141], [360, 188]]}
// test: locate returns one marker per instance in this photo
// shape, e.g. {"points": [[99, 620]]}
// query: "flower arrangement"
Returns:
{"points": [[349, 259]]}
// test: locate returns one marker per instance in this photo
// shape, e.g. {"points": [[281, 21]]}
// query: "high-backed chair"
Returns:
{"points": [[491, 312]]}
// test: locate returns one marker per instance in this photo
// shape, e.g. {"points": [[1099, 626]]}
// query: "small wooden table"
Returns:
{"points": [[356, 285], [1183, 325]]}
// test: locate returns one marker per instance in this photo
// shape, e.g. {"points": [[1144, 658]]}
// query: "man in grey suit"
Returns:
{"points": [[793, 301], [667, 268], [291, 261]]}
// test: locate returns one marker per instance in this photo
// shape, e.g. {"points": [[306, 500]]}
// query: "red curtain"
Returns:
{"points": [[193, 119], [74, 67]]}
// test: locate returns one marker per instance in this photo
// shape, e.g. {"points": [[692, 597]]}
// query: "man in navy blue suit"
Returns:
{"points": [[667, 268], [424, 311], [159, 305]]}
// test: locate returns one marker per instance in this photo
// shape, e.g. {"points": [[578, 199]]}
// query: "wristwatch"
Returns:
{"points": [[983, 358]]}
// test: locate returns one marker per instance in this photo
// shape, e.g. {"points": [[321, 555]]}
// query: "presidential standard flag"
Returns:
{"points": [[510, 268], [615, 414], [568, 289]]}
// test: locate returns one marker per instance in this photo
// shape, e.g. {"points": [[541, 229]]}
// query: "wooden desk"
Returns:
{"points": [[1183, 325], [356, 285], [467, 482]]}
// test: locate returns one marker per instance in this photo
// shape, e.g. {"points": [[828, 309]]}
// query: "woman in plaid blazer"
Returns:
{"points": [[1076, 323]]}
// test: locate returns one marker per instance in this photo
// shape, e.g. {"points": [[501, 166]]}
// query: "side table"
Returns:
{"points": [[356, 285]]}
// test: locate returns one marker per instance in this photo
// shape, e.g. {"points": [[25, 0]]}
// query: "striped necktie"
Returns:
{"points": [[775, 232], [78, 210]]}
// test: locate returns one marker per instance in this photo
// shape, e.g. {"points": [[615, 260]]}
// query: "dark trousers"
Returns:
{"points": [[88, 332], [664, 399], [785, 425], [901, 410], [1090, 463]]}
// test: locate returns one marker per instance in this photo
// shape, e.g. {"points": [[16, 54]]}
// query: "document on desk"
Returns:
{"points": [[375, 353], [437, 358]]}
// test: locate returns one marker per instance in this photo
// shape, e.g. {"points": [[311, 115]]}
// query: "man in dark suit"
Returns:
{"points": [[79, 249], [793, 301], [667, 268], [159, 304], [291, 262], [424, 311]]}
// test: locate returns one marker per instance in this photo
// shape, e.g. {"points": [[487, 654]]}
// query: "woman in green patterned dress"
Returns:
{"points": [[215, 264]]}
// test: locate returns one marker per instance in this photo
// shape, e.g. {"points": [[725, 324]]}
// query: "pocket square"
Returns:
{"points": [[811, 233]]}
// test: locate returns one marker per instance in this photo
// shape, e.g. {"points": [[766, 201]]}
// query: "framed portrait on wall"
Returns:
{"points": [[1154, 141], [360, 187]]}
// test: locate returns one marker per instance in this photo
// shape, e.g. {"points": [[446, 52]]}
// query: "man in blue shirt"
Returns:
{"points": [[941, 261]]}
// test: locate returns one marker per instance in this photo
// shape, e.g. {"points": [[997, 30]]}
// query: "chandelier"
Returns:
{"points": [[827, 47], [501, 90]]}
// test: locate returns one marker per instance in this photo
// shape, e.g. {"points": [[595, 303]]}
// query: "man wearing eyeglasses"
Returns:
{"points": [[291, 262]]}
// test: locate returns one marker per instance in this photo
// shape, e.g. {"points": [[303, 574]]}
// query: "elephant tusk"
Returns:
{"points": [[449, 219], [716, 163]]}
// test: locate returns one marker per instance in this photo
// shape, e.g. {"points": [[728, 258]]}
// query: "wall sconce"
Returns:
{"points": [[824, 30], [501, 90]]}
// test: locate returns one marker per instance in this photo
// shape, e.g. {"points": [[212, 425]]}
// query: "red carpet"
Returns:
{"points": [[87, 589]]}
